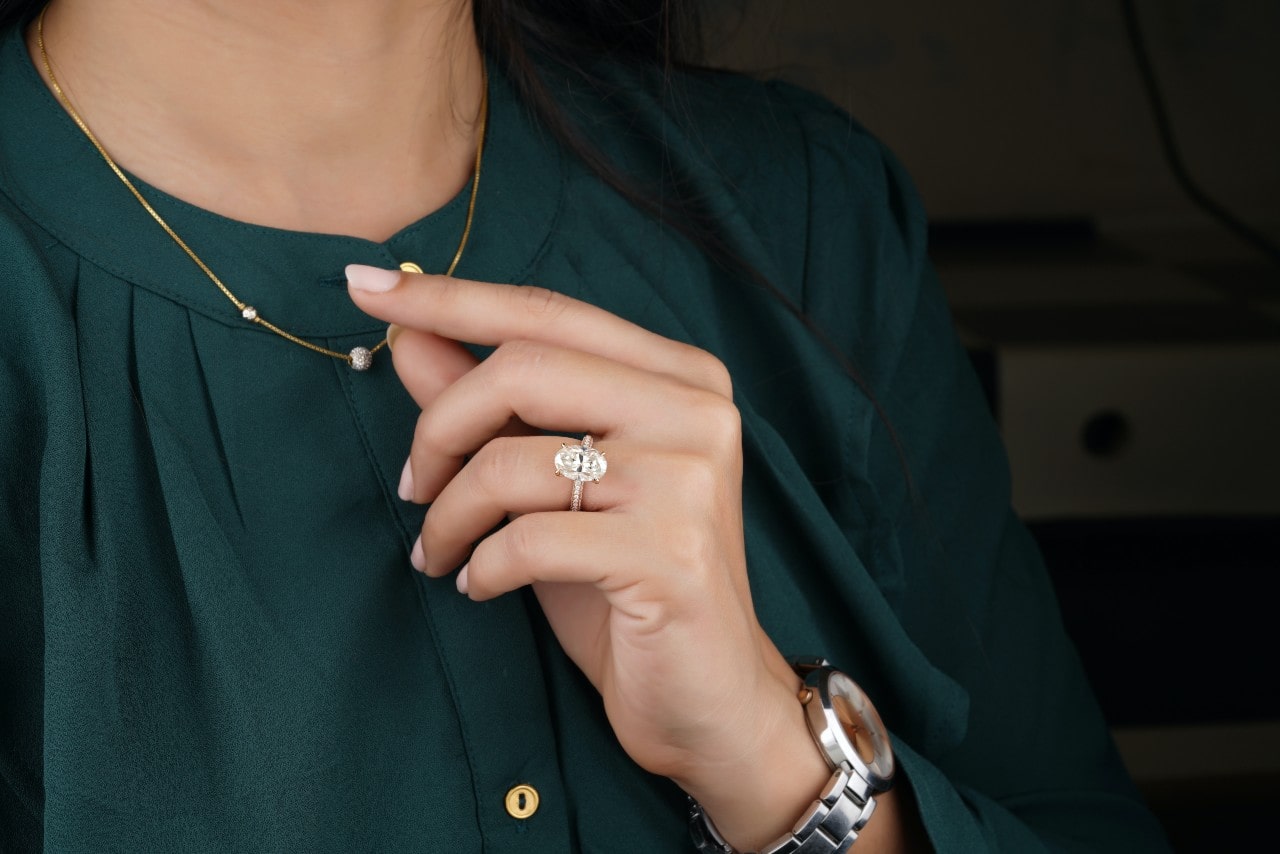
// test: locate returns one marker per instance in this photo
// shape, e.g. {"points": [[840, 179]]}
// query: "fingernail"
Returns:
{"points": [[462, 579], [372, 279], [417, 557], [392, 331], [405, 490]]}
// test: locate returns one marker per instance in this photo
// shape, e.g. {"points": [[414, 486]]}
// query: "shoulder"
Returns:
{"points": [[770, 137], [801, 189], [770, 143]]}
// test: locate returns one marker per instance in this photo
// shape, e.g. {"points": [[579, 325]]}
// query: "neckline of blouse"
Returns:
{"points": [[51, 172]]}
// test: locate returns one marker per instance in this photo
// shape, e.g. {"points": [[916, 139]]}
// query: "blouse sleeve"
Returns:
{"points": [[1032, 765]]}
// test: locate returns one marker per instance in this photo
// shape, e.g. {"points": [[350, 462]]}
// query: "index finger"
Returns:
{"points": [[492, 314]]}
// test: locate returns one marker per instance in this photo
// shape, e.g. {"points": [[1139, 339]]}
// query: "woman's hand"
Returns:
{"points": [[648, 591]]}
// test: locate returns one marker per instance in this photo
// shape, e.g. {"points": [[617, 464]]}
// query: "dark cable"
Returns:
{"points": [[1172, 156]]}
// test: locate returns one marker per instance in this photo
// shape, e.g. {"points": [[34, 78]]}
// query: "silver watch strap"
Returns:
{"points": [[830, 826], [706, 839]]}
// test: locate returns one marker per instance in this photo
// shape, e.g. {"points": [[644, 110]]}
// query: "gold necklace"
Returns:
{"points": [[359, 358]]}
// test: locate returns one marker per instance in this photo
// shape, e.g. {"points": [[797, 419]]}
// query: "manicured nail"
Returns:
{"points": [[462, 579], [392, 331], [405, 490], [372, 279], [417, 557]]}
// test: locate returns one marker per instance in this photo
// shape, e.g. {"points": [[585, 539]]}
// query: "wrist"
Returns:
{"points": [[756, 795]]}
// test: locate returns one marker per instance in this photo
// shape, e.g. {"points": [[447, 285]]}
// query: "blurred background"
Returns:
{"points": [[1103, 181]]}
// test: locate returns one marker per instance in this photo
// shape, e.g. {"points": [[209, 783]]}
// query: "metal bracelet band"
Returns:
{"points": [[829, 826], [706, 839]]}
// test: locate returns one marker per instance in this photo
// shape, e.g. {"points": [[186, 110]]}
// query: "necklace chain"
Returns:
{"points": [[360, 358]]}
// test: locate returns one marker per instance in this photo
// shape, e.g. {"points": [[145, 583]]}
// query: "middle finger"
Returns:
{"points": [[553, 388]]}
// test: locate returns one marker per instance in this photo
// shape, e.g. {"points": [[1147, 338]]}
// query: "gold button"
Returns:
{"points": [[410, 267], [522, 801]]}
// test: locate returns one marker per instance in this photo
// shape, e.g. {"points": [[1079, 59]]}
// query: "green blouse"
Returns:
{"points": [[212, 638]]}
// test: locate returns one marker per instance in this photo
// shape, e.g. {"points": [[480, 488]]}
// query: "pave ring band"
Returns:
{"points": [[580, 463]]}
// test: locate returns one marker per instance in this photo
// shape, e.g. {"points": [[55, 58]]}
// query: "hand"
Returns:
{"points": [[648, 591]]}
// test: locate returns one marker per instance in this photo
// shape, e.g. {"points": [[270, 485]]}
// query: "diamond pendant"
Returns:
{"points": [[361, 358]]}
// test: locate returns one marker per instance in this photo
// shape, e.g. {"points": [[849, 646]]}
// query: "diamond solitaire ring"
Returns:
{"points": [[580, 463]]}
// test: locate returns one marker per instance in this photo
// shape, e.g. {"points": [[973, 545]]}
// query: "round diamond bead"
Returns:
{"points": [[249, 313], [361, 359], [578, 463]]}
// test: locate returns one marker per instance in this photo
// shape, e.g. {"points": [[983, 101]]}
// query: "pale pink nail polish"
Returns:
{"points": [[405, 490], [417, 557], [462, 579], [372, 279]]}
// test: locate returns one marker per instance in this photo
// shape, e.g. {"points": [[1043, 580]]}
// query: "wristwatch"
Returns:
{"points": [[853, 740]]}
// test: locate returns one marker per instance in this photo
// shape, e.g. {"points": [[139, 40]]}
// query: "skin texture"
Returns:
{"points": [[332, 116], [268, 113]]}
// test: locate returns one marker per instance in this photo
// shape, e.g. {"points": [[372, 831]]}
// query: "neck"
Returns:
{"points": [[338, 116]]}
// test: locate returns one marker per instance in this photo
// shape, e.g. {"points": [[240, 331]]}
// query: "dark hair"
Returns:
{"points": [[567, 39]]}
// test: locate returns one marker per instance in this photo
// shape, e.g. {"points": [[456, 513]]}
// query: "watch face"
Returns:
{"points": [[867, 738]]}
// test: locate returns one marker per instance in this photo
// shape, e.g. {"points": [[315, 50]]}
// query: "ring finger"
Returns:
{"points": [[512, 476]]}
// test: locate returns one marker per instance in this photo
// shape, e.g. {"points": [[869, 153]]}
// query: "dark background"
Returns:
{"points": [[1125, 324]]}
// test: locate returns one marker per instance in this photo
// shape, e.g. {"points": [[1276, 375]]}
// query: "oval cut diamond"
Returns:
{"points": [[578, 463]]}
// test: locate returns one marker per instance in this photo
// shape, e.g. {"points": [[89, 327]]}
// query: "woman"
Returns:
{"points": [[214, 488]]}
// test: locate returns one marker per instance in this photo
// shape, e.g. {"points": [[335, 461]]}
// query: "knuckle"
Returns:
{"points": [[446, 290], [542, 303], [494, 464], [431, 528], [480, 567], [699, 479], [426, 439], [516, 358], [520, 351], [523, 542], [722, 422], [688, 547], [715, 374]]}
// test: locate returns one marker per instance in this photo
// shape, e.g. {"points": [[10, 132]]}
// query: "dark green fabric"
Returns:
{"points": [[212, 638]]}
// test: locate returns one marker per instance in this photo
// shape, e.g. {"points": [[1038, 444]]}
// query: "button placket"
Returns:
{"points": [[507, 744]]}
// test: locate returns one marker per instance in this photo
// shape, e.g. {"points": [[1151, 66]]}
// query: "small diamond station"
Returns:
{"points": [[361, 358]]}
